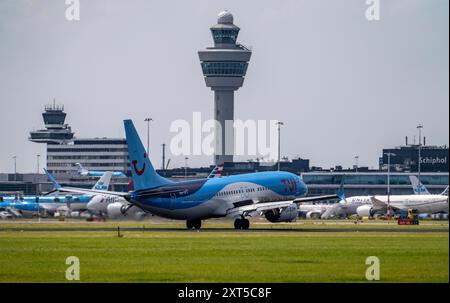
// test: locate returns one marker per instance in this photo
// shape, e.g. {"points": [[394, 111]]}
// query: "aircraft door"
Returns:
{"points": [[173, 201]]}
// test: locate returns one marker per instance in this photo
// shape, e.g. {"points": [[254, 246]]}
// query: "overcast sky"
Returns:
{"points": [[344, 86]]}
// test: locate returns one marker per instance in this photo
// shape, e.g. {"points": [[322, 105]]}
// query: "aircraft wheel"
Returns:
{"points": [[238, 224], [245, 224], [194, 224], [197, 224]]}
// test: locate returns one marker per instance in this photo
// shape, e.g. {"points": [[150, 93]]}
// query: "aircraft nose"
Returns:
{"points": [[302, 189]]}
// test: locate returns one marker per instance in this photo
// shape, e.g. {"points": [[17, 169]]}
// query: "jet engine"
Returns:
{"points": [[365, 211], [288, 214], [313, 215], [119, 210]]}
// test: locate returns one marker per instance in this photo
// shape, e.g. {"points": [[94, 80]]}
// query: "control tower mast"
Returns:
{"points": [[224, 67]]}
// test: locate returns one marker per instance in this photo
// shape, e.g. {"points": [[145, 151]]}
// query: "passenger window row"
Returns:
{"points": [[241, 191]]}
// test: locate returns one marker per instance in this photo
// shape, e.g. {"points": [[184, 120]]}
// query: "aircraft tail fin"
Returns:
{"points": [[50, 177], [81, 170], [340, 192], [216, 172], [103, 182], [418, 187], [142, 171]]}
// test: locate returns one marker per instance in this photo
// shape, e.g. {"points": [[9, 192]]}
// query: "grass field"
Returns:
{"points": [[222, 256]]}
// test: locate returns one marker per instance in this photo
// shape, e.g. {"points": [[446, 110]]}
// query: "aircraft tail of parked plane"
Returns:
{"points": [[418, 187], [216, 172], [142, 171], [103, 182], [81, 170], [445, 192]]}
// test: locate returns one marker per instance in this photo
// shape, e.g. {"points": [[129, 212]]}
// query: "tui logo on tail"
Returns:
{"points": [[139, 171]]}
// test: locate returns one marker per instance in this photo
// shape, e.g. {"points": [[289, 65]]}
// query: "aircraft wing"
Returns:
{"points": [[316, 198], [83, 191], [256, 207], [378, 204]]}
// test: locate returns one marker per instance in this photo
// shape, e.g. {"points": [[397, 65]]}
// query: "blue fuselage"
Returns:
{"points": [[210, 198]]}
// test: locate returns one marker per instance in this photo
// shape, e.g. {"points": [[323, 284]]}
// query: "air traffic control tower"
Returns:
{"points": [[55, 132], [224, 67]]}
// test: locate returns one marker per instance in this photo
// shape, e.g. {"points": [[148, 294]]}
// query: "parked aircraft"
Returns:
{"points": [[81, 171]]}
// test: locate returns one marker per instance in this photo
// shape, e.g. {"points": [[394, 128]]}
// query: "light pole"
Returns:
{"points": [[37, 174], [389, 182], [148, 133], [15, 167], [38, 156], [185, 167], [356, 163], [279, 124], [419, 127]]}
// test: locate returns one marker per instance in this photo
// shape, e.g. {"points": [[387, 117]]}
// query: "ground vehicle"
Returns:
{"points": [[5, 215], [410, 217]]}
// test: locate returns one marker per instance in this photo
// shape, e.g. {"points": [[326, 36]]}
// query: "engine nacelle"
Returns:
{"points": [[288, 214], [365, 211], [119, 210], [313, 215]]}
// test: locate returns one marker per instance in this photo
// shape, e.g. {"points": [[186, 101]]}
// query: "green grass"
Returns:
{"points": [[155, 256], [257, 223]]}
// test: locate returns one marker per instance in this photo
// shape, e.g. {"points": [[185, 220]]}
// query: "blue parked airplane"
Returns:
{"points": [[30, 205], [274, 194], [81, 171]]}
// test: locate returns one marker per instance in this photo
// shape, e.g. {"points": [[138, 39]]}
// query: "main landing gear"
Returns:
{"points": [[193, 224], [241, 223]]}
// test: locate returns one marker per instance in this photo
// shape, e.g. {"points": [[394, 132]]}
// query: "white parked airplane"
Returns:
{"points": [[423, 204], [364, 206]]}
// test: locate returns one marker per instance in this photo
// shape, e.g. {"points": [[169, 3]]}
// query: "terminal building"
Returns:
{"points": [[64, 150], [406, 158], [371, 182], [99, 154]]}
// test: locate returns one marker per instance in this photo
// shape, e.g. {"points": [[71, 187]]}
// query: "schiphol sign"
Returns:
{"points": [[433, 160]]}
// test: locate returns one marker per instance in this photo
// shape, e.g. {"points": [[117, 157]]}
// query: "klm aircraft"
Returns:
{"points": [[31, 205], [81, 171], [275, 195]]}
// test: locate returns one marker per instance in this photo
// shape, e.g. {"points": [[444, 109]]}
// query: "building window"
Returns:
{"points": [[225, 36], [224, 68]]}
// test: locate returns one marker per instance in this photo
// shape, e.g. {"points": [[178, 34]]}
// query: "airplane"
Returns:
{"points": [[118, 208], [362, 205], [425, 203], [31, 205], [20, 208], [81, 171], [274, 194], [75, 203]]}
